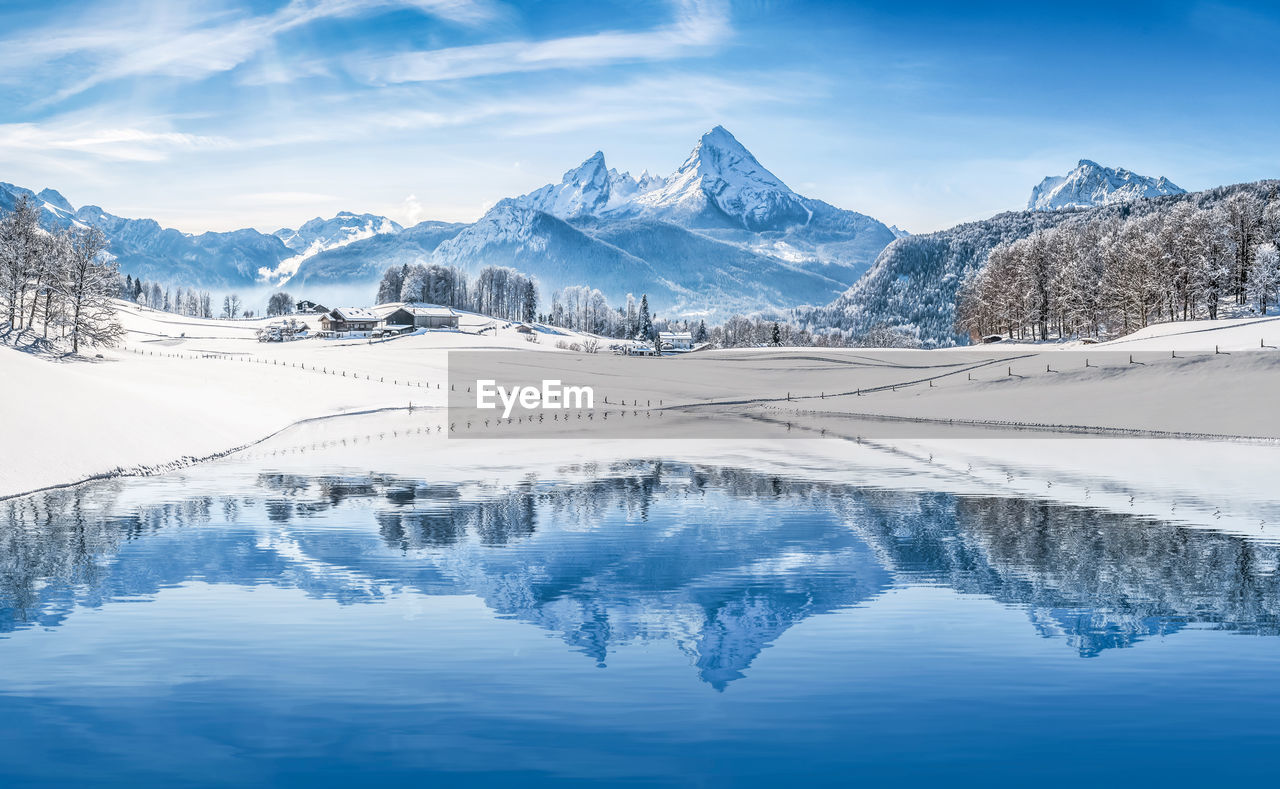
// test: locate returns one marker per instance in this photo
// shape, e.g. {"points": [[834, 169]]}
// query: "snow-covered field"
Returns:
{"points": [[187, 388], [183, 389]]}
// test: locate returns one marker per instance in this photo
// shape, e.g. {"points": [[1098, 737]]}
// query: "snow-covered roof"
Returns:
{"points": [[354, 314], [676, 335], [415, 308], [430, 310], [383, 310]]}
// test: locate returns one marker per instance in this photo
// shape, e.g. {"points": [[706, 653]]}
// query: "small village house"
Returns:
{"points": [[676, 340], [421, 316], [348, 320]]}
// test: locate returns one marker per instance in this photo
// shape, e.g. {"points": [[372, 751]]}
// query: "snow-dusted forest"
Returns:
{"points": [[180, 301], [498, 291], [1105, 276], [916, 282], [55, 290]]}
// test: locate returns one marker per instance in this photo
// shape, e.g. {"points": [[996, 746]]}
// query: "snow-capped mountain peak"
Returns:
{"points": [[1091, 184], [587, 172], [723, 183], [719, 155], [720, 184]]}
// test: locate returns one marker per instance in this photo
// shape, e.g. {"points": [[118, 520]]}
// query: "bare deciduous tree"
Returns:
{"points": [[90, 286]]}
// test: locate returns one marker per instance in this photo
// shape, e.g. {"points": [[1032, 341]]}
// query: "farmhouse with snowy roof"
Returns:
{"points": [[421, 316], [676, 340], [346, 320]]}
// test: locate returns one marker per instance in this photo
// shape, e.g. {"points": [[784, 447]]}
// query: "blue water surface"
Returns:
{"points": [[657, 624]]}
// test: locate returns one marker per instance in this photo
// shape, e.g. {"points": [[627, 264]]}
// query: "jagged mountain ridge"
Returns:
{"points": [[1090, 184], [320, 234], [590, 189]]}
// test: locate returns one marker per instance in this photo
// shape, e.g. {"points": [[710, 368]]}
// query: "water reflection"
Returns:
{"points": [[719, 561]]}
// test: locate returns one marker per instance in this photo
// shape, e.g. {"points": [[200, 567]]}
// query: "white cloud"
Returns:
{"points": [[411, 211], [119, 143], [169, 39], [698, 26]]}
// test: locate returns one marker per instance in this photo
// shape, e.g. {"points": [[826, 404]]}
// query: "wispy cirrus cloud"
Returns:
{"points": [[120, 143], [653, 99], [111, 134], [174, 40], [698, 26]]}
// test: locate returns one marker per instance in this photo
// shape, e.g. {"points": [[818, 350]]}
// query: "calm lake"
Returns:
{"points": [[638, 623]]}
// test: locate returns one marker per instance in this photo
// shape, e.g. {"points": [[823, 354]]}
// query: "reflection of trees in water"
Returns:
{"points": [[55, 545], [1106, 579], [730, 560], [436, 516], [1101, 579]]}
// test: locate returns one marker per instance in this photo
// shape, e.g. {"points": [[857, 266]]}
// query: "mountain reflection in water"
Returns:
{"points": [[719, 561]]}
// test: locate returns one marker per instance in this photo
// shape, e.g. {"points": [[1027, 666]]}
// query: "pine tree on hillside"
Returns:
{"points": [[392, 282], [530, 306], [646, 321]]}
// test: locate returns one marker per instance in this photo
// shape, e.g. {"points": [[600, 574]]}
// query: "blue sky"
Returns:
{"points": [[216, 114]]}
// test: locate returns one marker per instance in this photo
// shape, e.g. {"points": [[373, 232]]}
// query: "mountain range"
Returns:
{"points": [[145, 249], [721, 234]]}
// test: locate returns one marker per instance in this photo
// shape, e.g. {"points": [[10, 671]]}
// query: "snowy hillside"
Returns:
{"points": [[915, 281], [1090, 184], [555, 252]]}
